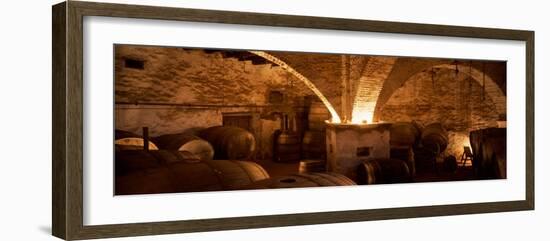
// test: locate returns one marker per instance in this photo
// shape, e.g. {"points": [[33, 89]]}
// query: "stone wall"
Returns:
{"points": [[406, 67], [178, 75], [455, 100], [179, 89]]}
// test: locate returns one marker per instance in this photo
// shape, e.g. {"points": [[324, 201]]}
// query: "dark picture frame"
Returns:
{"points": [[67, 77]]}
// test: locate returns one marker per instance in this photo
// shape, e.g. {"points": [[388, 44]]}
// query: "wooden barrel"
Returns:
{"points": [[201, 176], [434, 137], [125, 140], [317, 115], [287, 147], [134, 160], [406, 154], [186, 142], [314, 145], [303, 180], [404, 134], [173, 177], [312, 165], [489, 151], [230, 142], [383, 171]]}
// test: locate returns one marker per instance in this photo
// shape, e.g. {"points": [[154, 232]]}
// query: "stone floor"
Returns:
{"points": [[462, 172]]}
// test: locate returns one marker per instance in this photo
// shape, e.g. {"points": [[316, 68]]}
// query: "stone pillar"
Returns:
{"points": [[349, 145], [344, 78]]}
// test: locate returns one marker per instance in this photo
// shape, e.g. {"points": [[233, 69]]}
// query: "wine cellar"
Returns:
{"points": [[191, 120]]}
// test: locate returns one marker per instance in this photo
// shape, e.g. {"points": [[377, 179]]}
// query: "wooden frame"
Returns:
{"points": [[67, 184]]}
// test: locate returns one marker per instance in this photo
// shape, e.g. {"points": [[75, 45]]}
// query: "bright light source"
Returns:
{"points": [[362, 117]]}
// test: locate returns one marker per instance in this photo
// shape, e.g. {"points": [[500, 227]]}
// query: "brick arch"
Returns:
{"points": [[306, 81], [368, 87], [491, 87]]}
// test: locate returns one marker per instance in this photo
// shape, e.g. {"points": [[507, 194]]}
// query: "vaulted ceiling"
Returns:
{"points": [[370, 81]]}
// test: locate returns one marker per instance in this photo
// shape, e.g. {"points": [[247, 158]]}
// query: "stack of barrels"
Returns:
{"points": [[146, 172], [411, 148], [404, 137], [209, 161], [433, 142], [418, 147], [489, 150], [406, 154], [314, 139], [317, 115], [314, 144], [287, 147]]}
